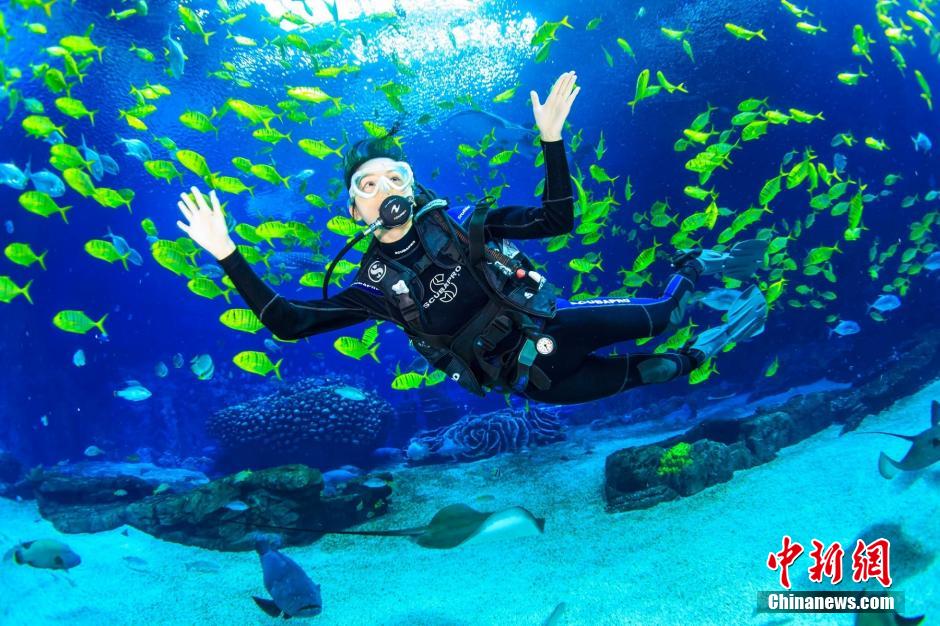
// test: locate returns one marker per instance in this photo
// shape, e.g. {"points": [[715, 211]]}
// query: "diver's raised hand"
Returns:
{"points": [[550, 116], [206, 223]]}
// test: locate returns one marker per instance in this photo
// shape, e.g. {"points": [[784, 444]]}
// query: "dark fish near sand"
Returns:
{"points": [[292, 591], [925, 448], [45, 554]]}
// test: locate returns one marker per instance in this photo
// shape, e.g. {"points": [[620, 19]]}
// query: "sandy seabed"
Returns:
{"points": [[699, 560]]}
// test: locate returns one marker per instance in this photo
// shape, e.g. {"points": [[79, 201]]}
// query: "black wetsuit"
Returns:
{"points": [[452, 296]]}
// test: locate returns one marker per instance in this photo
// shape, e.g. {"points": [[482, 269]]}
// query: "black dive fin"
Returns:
{"points": [[268, 606]]}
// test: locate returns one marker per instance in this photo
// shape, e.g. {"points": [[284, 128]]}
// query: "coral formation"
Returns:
{"points": [[479, 436], [316, 420], [675, 459]]}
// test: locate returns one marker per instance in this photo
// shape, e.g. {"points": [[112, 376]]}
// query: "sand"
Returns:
{"points": [[699, 560]]}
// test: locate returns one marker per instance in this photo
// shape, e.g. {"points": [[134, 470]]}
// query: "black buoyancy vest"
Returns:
{"points": [[514, 304]]}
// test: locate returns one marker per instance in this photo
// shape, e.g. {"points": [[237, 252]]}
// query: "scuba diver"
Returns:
{"points": [[470, 301]]}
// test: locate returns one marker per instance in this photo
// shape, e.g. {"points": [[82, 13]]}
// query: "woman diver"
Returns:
{"points": [[470, 301]]}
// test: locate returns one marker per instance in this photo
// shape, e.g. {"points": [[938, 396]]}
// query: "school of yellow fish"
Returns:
{"points": [[795, 272]]}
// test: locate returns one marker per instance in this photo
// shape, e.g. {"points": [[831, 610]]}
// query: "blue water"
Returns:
{"points": [[53, 410]]}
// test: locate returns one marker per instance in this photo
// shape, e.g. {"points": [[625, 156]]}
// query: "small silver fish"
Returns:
{"points": [[135, 392]]}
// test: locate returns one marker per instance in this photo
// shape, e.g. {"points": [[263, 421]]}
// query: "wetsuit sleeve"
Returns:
{"points": [[554, 217], [293, 319]]}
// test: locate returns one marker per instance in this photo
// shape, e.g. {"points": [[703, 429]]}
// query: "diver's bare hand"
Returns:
{"points": [[551, 116], [206, 224]]}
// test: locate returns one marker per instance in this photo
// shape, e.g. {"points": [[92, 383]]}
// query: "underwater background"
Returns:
{"points": [[820, 130]]}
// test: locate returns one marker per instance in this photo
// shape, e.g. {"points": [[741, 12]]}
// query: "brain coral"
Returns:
{"points": [[479, 436], [314, 420]]}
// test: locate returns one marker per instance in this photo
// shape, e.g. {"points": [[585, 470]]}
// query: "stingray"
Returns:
{"points": [[456, 525], [925, 448]]}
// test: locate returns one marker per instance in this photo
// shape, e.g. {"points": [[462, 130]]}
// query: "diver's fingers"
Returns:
{"points": [[569, 84], [535, 100], [187, 203], [185, 211], [215, 201], [554, 91], [200, 200], [572, 96], [183, 227], [562, 88]]}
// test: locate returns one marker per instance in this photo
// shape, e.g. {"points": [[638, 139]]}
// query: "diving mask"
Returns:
{"points": [[380, 176]]}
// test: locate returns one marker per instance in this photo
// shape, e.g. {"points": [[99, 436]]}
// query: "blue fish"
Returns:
{"points": [[47, 182], [302, 177], [96, 167], [932, 262], [471, 125], [296, 261], [176, 56], [283, 204], [720, 299], [292, 591], [121, 245], [12, 176], [110, 165], [921, 143], [845, 327], [209, 270], [135, 148], [8, 225], [839, 162], [54, 138], [885, 302]]}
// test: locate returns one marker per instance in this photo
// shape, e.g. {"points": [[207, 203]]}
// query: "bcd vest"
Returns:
{"points": [[519, 299]]}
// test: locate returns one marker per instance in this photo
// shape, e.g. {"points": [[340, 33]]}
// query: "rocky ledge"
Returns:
{"points": [[221, 514], [710, 452]]}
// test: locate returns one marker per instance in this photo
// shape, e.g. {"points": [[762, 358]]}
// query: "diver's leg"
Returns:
{"points": [[599, 377], [592, 324]]}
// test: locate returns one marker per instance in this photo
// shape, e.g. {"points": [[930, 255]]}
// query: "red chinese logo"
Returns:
{"points": [[871, 561], [828, 563], [784, 559], [868, 561]]}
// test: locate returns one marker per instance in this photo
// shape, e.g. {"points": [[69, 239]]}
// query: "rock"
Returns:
{"points": [[287, 497], [719, 448], [722, 446]]}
